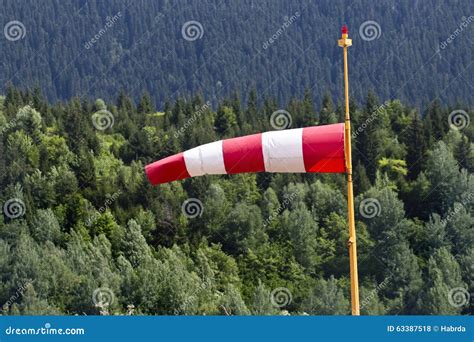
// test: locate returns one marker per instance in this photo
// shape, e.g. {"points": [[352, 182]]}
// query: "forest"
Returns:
{"points": [[84, 233], [93, 49]]}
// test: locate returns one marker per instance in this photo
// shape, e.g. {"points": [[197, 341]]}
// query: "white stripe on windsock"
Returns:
{"points": [[283, 150], [205, 159]]}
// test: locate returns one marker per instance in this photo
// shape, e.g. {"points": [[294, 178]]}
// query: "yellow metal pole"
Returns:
{"points": [[345, 42]]}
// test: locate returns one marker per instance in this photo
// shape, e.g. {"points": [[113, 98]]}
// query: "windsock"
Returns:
{"points": [[309, 149]]}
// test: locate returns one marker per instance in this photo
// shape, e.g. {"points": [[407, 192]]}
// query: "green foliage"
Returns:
{"points": [[93, 223], [225, 120], [243, 229], [262, 304], [443, 277], [328, 298], [447, 182]]}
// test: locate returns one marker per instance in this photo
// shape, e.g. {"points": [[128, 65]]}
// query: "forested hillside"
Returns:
{"points": [[414, 51], [83, 232]]}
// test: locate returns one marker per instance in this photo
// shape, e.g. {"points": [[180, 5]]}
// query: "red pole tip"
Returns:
{"points": [[344, 29]]}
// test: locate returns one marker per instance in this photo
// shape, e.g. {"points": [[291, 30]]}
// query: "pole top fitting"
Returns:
{"points": [[344, 41]]}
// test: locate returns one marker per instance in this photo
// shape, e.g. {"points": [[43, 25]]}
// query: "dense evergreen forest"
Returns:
{"points": [[419, 51], [83, 232]]}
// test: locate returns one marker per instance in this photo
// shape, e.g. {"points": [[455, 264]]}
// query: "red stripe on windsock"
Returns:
{"points": [[167, 170], [323, 148], [243, 154], [312, 149]]}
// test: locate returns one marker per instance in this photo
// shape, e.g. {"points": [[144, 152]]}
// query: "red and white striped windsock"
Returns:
{"points": [[310, 149]]}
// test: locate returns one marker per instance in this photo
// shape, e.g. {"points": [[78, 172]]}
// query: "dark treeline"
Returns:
{"points": [[80, 217], [92, 48]]}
